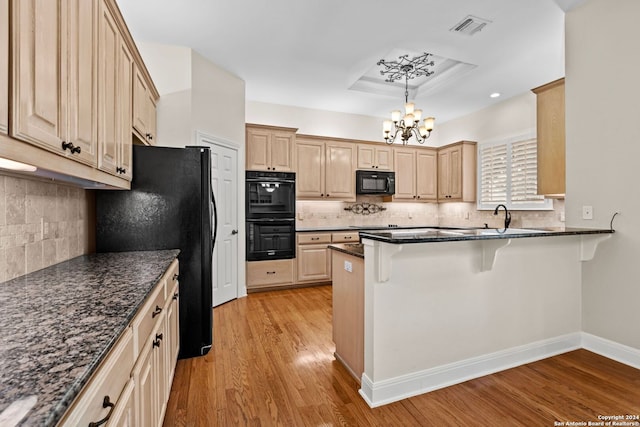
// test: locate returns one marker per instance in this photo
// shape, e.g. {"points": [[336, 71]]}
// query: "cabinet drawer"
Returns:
{"points": [[171, 278], [263, 273], [147, 317], [345, 237], [109, 380], [313, 238]]}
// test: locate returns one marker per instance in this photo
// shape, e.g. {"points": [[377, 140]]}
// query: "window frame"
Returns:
{"points": [[545, 205]]}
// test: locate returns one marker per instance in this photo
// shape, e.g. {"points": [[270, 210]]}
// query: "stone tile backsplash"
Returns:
{"points": [[41, 224], [323, 214]]}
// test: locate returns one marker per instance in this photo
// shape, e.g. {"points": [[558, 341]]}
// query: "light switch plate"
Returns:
{"points": [[348, 266], [587, 212]]}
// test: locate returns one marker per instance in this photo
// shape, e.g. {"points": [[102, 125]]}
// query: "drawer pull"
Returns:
{"points": [[175, 276], [175, 296], [315, 238], [157, 311], [156, 343], [159, 337], [70, 147], [348, 237], [271, 272], [106, 403]]}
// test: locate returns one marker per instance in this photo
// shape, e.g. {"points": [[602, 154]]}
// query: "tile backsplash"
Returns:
{"points": [[310, 214], [41, 223]]}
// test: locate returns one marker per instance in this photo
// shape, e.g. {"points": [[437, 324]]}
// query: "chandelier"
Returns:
{"points": [[409, 124]]}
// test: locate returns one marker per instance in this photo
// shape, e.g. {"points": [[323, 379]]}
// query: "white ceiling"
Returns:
{"points": [[309, 53]]}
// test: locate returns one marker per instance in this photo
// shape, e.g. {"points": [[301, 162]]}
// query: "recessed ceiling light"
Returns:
{"points": [[495, 95]]}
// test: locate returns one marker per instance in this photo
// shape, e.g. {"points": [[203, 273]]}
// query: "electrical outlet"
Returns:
{"points": [[587, 212], [348, 266]]}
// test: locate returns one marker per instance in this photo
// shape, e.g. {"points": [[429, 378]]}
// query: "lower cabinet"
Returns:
{"points": [[131, 386], [314, 257], [269, 274]]}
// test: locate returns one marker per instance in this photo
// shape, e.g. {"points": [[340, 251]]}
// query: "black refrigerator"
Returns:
{"points": [[170, 206]]}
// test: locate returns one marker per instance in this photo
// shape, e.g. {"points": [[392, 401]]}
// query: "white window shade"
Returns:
{"points": [[507, 174]]}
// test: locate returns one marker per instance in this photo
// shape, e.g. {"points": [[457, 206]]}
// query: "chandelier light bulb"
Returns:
{"points": [[409, 119], [429, 123], [386, 126], [417, 114], [395, 115], [423, 131], [409, 107]]}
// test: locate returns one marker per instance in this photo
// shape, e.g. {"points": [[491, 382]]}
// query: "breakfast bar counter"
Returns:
{"points": [[444, 305]]}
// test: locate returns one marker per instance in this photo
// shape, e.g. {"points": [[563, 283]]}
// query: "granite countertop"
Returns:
{"points": [[57, 324], [437, 234], [355, 249], [360, 228]]}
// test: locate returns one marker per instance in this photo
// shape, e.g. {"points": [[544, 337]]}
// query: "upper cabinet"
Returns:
{"points": [[326, 169], [379, 157], [4, 66], [457, 172], [144, 109], [270, 148], [416, 174], [71, 75], [54, 76], [551, 138]]}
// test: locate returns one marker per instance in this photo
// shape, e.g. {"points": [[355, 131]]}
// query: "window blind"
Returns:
{"points": [[508, 174]]}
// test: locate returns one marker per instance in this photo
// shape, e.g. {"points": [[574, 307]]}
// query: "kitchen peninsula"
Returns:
{"points": [[442, 306]]}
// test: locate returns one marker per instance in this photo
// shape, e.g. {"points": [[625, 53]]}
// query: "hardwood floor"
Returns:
{"points": [[272, 364]]}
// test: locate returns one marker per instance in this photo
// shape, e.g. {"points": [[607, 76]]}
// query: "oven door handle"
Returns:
{"points": [[285, 181]]}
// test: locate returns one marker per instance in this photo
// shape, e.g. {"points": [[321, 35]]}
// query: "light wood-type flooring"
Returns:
{"points": [[272, 364]]}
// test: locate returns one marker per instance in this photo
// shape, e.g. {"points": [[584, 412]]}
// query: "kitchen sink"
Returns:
{"points": [[501, 231]]}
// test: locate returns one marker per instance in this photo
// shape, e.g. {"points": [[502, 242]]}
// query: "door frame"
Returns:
{"points": [[202, 138]]}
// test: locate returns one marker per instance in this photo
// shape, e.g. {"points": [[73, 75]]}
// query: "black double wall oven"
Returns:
{"points": [[270, 212]]}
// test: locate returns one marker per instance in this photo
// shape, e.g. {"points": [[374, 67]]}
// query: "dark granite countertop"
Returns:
{"points": [[359, 228], [435, 234], [57, 324], [355, 249]]}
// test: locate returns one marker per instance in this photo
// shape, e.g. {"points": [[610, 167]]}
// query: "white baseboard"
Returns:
{"points": [[398, 388], [611, 350]]}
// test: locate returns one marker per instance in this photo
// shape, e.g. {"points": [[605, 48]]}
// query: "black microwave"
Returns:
{"points": [[375, 182]]}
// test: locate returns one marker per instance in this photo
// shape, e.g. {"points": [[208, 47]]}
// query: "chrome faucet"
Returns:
{"points": [[507, 215]]}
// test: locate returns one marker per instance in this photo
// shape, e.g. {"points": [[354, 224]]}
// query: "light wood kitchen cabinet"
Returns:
{"points": [[270, 274], [457, 172], [270, 148], [314, 257], [345, 237], [379, 157], [144, 109], [114, 109], [348, 312], [326, 169], [4, 66], [137, 373], [416, 174], [54, 76], [551, 138]]}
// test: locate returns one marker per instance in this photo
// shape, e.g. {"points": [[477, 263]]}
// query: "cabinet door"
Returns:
{"points": [[384, 158], [4, 66], [173, 330], [405, 167], [81, 101], [108, 131], [551, 138], [281, 151], [444, 173], [314, 263], [426, 175], [310, 166], [140, 104], [38, 73], [258, 155], [455, 172], [124, 106], [152, 111], [366, 156], [143, 377], [340, 177], [160, 371]]}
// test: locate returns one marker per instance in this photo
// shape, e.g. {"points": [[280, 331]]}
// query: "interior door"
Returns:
{"points": [[224, 163]]}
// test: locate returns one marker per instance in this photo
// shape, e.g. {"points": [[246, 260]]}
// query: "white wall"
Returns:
{"points": [[197, 96], [603, 148]]}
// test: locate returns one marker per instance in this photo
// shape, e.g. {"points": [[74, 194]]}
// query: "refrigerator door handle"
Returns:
{"points": [[215, 221]]}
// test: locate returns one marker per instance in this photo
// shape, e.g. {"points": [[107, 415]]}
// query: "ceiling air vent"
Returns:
{"points": [[470, 25]]}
